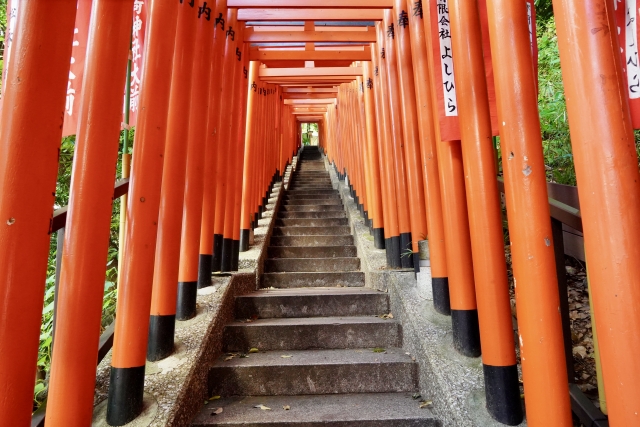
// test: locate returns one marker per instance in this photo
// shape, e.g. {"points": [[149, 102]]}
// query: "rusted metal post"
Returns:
{"points": [[30, 132], [134, 297], [80, 293], [609, 187]]}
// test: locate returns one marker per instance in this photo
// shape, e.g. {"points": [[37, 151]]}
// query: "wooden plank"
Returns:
{"points": [[310, 14], [309, 55], [252, 36], [303, 4], [311, 72]]}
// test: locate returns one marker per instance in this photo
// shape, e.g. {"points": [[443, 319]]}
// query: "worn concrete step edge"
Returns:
{"points": [[333, 410], [314, 372], [336, 230], [313, 279], [309, 241], [312, 222], [283, 265], [301, 214], [315, 302], [312, 333], [341, 251]]}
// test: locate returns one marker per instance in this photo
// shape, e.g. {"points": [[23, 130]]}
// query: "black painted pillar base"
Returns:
{"points": [[226, 254], [466, 332], [126, 393], [502, 391], [216, 259], [366, 219], [405, 248], [259, 214], [161, 332], [235, 254], [186, 304], [244, 240], [204, 270], [392, 246], [378, 238], [441, 300], [416, 262]]}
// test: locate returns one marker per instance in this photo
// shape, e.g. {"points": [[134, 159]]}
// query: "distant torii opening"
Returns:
{"points": [[309, 133]]}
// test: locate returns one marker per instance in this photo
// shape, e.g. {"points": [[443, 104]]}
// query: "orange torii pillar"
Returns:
{"points": [[232, 114], [395, 108], [80, 293], [485, 216], [609, 187], [31, 129], [213, 147], [250, 143], [372, 159], [387, 167], [223, 128], [134, 299], [415, 187], [462, 296], [239, 166], [534, 267], [167, 261], [429, 155], [194, 182]]}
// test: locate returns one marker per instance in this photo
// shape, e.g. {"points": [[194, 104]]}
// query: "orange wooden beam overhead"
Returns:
{"points": [[308, 101], [312, 90], [304, 4], [310, 14], [252, 36], [311, 72], [309, 95], [300, 28], [309, 55]]}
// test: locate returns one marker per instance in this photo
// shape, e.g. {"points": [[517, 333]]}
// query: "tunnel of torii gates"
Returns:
{"points": [[225, 86]]}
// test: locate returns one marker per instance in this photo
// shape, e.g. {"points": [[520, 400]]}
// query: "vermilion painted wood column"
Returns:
{"points": [[429, 156], [166, 269], [30, 133], [134, 293], [609, 187], [395, 108], [373, 159], [80, 291], [223, 129], [464, 309], [194, 179], [534, 267], [485, 216], [411, 145], [392, 238], [213, 147], [250, 143]]}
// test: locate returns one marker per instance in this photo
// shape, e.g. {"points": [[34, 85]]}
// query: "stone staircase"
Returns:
{"points": [[324, 356]]}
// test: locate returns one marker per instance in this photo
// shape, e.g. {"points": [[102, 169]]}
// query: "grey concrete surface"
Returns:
{"points": [[312, 279], [312, 240], [312, 252], [339, 230], [311, 264]]}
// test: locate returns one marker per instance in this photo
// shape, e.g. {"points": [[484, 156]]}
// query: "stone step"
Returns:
{"points": [[283, 265], [312, 333], [310, 193], [333, 196], [331, 410], [311, 180], [315, 302], [340, 230], [313, 279], [307, 215], [312, 208], [312, 222], [311, 240], [312, 251], [300, 201], [313, 372]]}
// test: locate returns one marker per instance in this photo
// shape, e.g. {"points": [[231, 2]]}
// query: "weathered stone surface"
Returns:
{"points": [[283, 265], [315, 241], [342, 410], [312, 222], [312, 251], [343, 230], [330, 214], [312, 333], [312, 279], [315, 302]]}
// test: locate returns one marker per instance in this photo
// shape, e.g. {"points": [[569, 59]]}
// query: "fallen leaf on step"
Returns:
{"points": [[379, 350], [416, 396], [254, 350], [226, 359], [261, 406], [286, 407], [386, 316], [286, 357], [217, 411], [425, 404], [214, 398]]}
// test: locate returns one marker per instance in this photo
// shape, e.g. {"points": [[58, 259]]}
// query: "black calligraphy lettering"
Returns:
{"points": [[442, 8], [369, 84], [391, 31], [446, 69], [417, 9], [231, 33], [220, 20], [382, 54], [403, 19], [445, 34], [206, 10], [238, 53], [444, 21], [448, 86], [451, 105], [447, 53]]}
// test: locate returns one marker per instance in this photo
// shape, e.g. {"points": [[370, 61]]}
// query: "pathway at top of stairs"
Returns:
{"points": [[316, 328]]}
